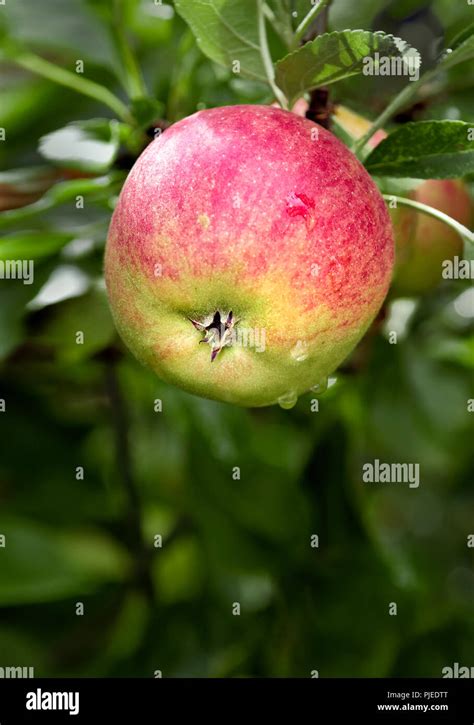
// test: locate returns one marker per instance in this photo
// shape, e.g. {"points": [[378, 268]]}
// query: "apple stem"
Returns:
{"points": [[436, 213], [267, 58]]}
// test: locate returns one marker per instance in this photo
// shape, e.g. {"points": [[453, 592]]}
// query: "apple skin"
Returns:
{"points": [[434, 241], [404, 219], [259, 211]]}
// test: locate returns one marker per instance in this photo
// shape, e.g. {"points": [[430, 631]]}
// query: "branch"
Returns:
{"points": [[401, 100], [308, 19], [124, 466], [320, 106], [431, 211]]}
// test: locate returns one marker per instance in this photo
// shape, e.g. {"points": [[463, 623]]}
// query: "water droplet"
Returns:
{"points": [[288, 400], [321, 386], [300, 351]]}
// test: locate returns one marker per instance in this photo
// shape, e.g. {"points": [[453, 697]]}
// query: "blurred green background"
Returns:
{"points": [[91, 538]]}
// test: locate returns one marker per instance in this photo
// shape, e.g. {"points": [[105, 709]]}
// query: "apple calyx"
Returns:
{"points": [[217, 334]]}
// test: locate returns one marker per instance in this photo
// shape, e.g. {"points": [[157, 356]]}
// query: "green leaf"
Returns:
{"points": [[421, 418], [14, 296], [400, 186], [88, 314], [39, 565], [454, 349], [344, 15], [334, 56], [48, 25], [21, 187], [95, 189], [32, 245], [280, 17], [146, 110], [425, 150], [90, 146], [27, 180], [178, 571], [128, 630], [226, 31]]}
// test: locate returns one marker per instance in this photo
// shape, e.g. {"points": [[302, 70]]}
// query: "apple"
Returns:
{"points": [[248, 253], [434, 241], [422, 243], [403, 218]]}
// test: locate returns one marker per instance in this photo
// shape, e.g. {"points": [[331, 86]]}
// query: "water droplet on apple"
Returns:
{"points": [[288, 400], [321, 386], [300, 351]]}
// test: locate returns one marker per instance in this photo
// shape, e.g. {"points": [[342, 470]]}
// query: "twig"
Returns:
{"points": [[400, 101], [124, 466], [309, 18], [436, 213], [320, 107]]}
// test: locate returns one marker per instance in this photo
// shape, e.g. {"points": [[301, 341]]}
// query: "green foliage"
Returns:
{"points": [[88, 314], [225, 33], [425, 150], [90, 146], [47, 26], [32, 245], [334, 56], [39, 565], [74, 398], [95, 189]]}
